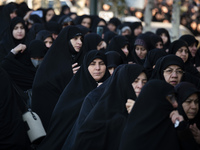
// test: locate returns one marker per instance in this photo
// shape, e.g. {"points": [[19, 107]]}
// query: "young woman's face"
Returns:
{"points": [[139, 82], [101, 45], [111, 27], [97, 69], [86, 22], [138, 31], [173, 74], [191, 106], [49, 15], [125, 50], [140, 51], [164, 38], [193, 49], [48, 42], [183, 53], [111, 70], [18, 31], [13, 15], [77, 43], [159, 45]]}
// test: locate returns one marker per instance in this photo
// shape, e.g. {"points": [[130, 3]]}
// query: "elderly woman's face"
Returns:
{"points": [[173, 74]]}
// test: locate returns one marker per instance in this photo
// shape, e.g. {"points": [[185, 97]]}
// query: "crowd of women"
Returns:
{"points": [[119, 89]]}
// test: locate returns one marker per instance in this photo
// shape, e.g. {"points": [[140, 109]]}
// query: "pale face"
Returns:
{"points": [[138, 31], [111, 70], [193, 49], [18, 31], [111, 27], [140, 51], [48, 42], [125, 50], [77, 43], [139, 82], [164, 38], [97, 69], [191, 106], [101, 23], [101, 45], [86, 22], [49, 15], [13, 15], [173, 74], [183, 53]]}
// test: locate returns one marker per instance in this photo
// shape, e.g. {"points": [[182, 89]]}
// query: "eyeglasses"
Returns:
{"points": [[170, 71]]}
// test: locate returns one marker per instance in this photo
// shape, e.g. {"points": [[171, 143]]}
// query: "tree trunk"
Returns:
{"points": [[148, 15], [175, 19]]}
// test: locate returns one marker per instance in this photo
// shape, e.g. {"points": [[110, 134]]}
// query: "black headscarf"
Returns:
{"points": [[43, 34], [5, 19], [9, 42], [113, 59], [37, 49], [54, 74], [142, 41], [149, 125], [91, 41], [155, 39], [69, 103], [108, 36], [151, 58], [103, 126], [174, 47], [183, 91], [163, 62], [159, 32], [12, 128], [116, 44]]}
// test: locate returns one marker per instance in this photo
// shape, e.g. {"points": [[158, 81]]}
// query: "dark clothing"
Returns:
{"points": [[68, 106], [149, 125], [54, 74]]}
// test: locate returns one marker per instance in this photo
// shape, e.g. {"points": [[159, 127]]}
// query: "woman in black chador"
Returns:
{"points": [[100, 126], [92, 72], [149, 125], [55, 72], [13, 134]]}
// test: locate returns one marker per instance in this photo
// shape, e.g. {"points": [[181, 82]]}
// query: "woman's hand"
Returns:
{"points": [[196, 132], [129, 105], [19, 48], [75, 68], [174, 115]]}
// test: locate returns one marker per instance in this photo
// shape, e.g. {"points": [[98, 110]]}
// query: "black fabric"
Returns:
{"points": [[151, 58], [115, 21], [149, 125], [13, 134], [54, 74], [116, 44], [113, 59], [163, 62], [91, 41], [183, 91], [174, 47], [5, 19], [53, 27], [171, 59], [155, 39], [67, 109], [9, 42], [37, 49], [83, 29], [78, 20], [43, 34], [96, 22], [161, 31], [142, 41], [108, 36], [102, 127], [189, 39]]}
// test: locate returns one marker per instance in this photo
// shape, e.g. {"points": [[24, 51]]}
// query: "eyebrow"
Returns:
{"points": [[173, 68]]}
